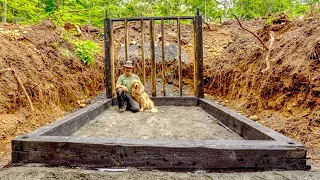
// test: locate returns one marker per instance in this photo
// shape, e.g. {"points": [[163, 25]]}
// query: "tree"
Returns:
{"points": [[93, 11], [4, 11]]}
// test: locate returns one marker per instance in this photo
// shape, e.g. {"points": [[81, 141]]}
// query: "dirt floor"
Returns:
{"points": [[171, 122], [64, 173]]}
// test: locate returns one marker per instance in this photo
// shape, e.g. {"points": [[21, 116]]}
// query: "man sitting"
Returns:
{"points": [[123, 87]]}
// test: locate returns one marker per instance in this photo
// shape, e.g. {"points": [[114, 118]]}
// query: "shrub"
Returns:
{"points": [[66, 53], [86, 50]]}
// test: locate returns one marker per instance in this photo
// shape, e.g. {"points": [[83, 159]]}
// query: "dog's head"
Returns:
{"points": [[135, 85]]}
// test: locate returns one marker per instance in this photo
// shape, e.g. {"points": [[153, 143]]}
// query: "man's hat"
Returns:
{"points": [[128, 64]]}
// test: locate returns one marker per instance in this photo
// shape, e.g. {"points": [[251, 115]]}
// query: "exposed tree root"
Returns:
{"points": [[20, 83], [268, 52], [251, 32]]}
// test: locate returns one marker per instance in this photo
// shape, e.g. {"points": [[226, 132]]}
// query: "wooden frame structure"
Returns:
{"points": [[198, 52], [262, 149]]}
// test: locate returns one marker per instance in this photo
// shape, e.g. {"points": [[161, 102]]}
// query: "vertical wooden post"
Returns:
{"points": [[126, 38], [195, 68], [179, 57], [143, 58], [199, 54], [107, 44], [163, 63], [153, 59], [112, 65]]}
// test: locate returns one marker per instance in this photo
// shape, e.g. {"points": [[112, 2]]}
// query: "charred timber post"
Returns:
{"points": [[107, 44], [126, 38], [199, 54], [163, 64], [179, 57], [195, 69], [143, 58], [153, 59]]}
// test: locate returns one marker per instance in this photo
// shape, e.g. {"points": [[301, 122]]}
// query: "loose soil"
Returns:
{"points": [[64, 173], [171, 122], [54, 81]]}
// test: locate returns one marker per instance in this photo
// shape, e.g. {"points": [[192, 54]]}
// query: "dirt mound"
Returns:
{"points": [[46, 24], [53, 80], [286, 98]]}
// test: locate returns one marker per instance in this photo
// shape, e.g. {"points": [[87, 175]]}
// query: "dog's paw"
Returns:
{"points": [[154, 110]]}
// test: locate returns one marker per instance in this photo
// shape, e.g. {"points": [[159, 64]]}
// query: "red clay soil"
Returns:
{"points": [[53, 81], [285, 98]]}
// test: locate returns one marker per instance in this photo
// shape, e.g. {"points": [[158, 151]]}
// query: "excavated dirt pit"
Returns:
{"points": [[171, 122]]}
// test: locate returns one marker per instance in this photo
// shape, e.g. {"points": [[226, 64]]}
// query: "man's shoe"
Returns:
{"points": [[123, 109]]}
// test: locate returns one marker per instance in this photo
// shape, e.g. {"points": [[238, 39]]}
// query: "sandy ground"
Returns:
{"points": [[64, 174], [171, 122]]}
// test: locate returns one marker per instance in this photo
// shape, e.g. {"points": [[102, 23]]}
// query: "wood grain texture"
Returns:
{"points": [[128, 153], [107, 50]]}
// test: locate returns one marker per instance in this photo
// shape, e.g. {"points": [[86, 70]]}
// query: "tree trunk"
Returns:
{"points": [[205, 10], [4, 11], [225, 9]]}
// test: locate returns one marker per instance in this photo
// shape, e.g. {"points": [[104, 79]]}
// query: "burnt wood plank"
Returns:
{"points": [[155, 157], [17, 143], [175, 101], [243, 126], [154, 18], [72, 122], [170, 101]]}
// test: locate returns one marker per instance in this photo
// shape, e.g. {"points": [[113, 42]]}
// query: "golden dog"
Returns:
{"points": [[143, 99]]}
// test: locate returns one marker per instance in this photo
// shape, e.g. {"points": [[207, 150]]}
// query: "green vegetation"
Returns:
{"points": [[66, 53], [93, 11], [86, 50]]}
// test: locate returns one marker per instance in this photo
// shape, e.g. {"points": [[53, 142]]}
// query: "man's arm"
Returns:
{"points": [[119, 85], [124, 88]]}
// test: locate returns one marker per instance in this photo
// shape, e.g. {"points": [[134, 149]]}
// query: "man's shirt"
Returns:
{"points": [[127, 81]]}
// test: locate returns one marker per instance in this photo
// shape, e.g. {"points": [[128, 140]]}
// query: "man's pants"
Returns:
{"points": [[124, 97]]}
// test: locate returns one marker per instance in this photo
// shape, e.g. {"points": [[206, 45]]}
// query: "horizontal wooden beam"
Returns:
{"points": [[170, 101], [154, 18], [243, 126], [154, 154], [175, 101], [72, 122]]}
